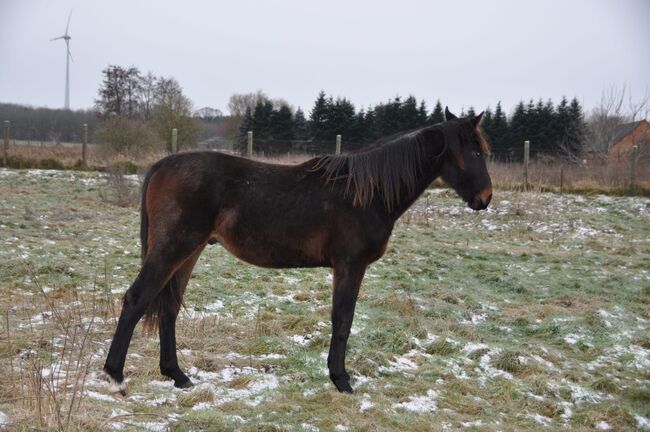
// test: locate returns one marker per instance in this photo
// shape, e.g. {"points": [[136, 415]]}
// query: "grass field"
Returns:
{"points": [[533, 315]]}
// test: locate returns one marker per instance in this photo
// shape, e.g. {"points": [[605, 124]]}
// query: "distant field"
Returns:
{"points": [[533, 315]]}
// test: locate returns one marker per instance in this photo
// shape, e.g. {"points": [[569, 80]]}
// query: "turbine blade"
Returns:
{"points": [[70, 54], [68, 25], [60, 37]]}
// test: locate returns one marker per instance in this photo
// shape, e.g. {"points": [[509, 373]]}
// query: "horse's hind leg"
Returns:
{"points": [[156, 270], [167, 324]]}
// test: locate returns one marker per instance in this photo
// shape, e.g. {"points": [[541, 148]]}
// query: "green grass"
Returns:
{"points": [[535, 312]]}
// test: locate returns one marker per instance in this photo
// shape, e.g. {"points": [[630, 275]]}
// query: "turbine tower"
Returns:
{"points": [[68, 56]]}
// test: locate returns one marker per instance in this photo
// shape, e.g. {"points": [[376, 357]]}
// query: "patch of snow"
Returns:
{"points": [[153, 426], [366, 403], [603, 425], [471, 347], [202, 406], [475, 423], [309, 427], [426, 403], [543, 420], [99, 396], [571, 339], [475, 319], [643, 423], [302, 340]]}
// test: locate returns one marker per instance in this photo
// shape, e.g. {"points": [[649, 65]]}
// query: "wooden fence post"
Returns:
{"points": [[5, 157], [338, 144], [249, 147], [84, 146], [174, 140], [526, 154]]}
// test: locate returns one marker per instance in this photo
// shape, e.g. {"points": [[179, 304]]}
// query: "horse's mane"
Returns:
{"points": [[384, 167]]}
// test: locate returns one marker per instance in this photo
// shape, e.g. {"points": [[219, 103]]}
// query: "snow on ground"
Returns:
{"points": [[425, 403]]}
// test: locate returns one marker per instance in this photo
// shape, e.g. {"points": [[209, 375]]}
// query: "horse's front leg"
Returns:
{"points": [[347, 279]]}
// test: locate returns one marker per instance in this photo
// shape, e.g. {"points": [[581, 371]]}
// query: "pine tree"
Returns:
{"points": [[576, 131], [408, 114], [517, 133], [437, 116], [499, 132], [318, 118], [341, 118], [262, 122], [300, 127], [370, 127], [281, 127], [471, 113], [561, 125], [422, 114]]}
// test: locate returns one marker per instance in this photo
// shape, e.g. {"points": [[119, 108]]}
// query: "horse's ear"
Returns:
{"points": [[449, 115], [477, 120]]}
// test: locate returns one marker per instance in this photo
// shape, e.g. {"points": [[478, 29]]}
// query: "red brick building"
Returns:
{"points": [[626, 137]]}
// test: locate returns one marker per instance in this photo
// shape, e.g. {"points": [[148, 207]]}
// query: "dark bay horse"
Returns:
{"points": [[333, 211]]}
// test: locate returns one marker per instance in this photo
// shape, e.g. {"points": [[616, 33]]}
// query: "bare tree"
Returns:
{"points": [[174, 110], [148, 84], [613, 112], [238, 102]]}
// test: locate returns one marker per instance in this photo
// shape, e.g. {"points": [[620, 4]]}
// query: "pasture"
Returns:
{"points": [[532, 315]]}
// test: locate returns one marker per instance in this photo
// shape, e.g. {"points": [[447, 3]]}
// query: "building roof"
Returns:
{"points": [[623, 130]]}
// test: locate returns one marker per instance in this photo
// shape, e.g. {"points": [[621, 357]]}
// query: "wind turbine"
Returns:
{"points": [[66, 37]]}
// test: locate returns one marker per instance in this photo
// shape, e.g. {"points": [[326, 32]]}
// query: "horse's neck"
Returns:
{"points": [[426, 177]]}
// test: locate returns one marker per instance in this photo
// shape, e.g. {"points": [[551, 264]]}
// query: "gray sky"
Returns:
{"points": [[469, 53]]}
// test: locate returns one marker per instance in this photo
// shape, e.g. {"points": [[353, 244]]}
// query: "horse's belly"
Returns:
{"points": [[265, 253]]}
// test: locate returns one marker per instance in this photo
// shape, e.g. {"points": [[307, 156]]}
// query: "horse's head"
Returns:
{"points": [[464, 166]]}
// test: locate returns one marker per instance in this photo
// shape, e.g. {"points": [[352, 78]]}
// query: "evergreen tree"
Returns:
{"points": [[370, 127], [341, 118], [358, 133], [576, 131], [262, 119], [517, 133], [408, 114], [561, 124], [318, 118], [422, 114], [471, 113], [437, 116], [300, 127], [499, 132], [282, 124]]}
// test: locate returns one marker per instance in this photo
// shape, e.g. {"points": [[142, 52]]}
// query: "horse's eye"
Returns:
{"points": [[476, 153]]}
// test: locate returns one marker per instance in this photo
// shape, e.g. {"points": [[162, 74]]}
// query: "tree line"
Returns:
{"points": [[47, 124], [552, 129]]}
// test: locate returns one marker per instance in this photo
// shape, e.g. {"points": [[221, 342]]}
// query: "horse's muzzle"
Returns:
{"points": [[482, 199]]}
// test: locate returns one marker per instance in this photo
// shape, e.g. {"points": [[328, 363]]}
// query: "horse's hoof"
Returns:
{"points": [[184, 384], [343, 386], [117, 387]]}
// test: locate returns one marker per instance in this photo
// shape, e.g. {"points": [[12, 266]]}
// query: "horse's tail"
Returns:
{"points": [[144, 216], [169, 298]]}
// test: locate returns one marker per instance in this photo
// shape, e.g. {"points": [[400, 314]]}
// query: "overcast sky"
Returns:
{"points": [[469, 53]]}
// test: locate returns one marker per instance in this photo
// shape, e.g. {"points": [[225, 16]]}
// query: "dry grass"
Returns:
{"points": [[543, 174], [593, 177]]}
